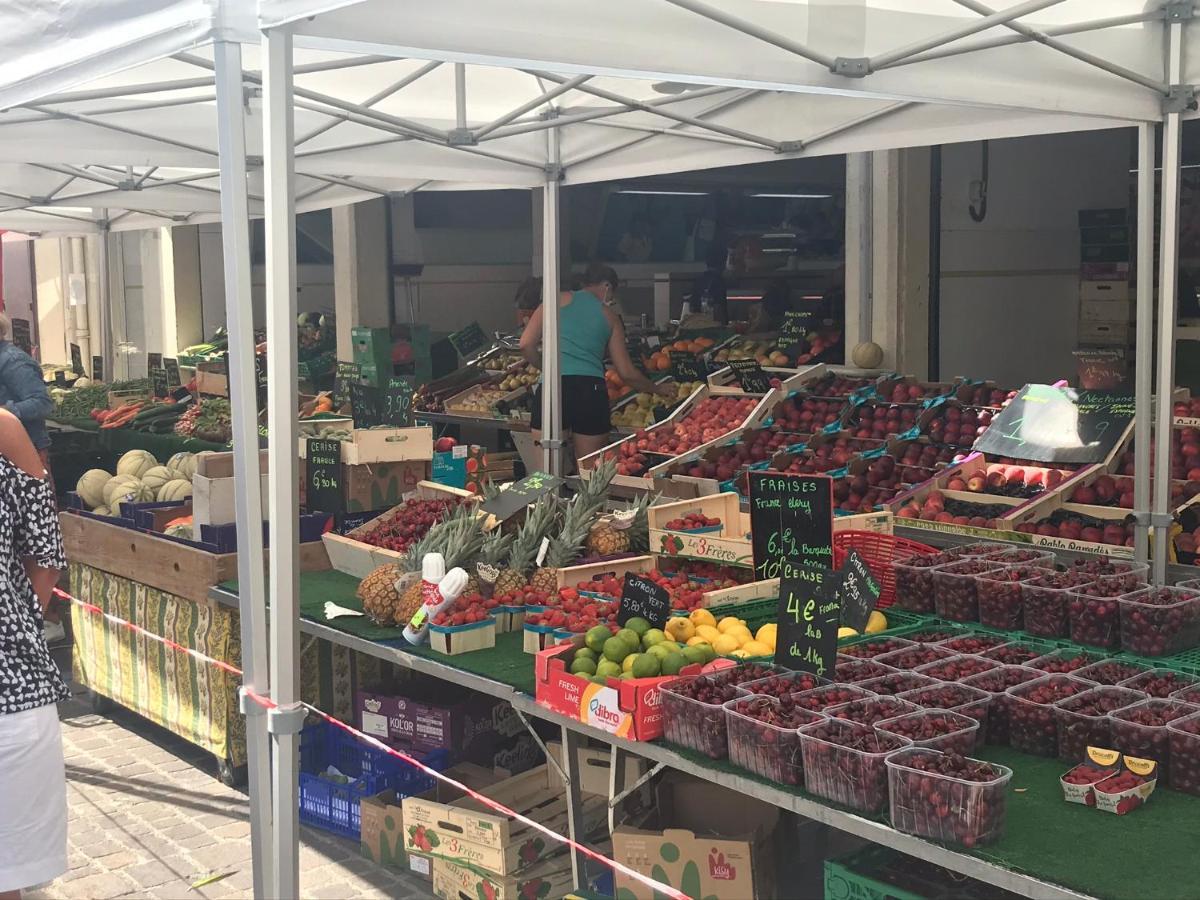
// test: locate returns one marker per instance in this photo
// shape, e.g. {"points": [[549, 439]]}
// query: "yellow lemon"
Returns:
{"points": [[725, 644], [740, 654], [707, 632], [627, 662], [742, 633], [680, 628], [846, 632], [756, 648], [693, 641], [766, 634], [702, 617], [876, 623], [729, 622]]}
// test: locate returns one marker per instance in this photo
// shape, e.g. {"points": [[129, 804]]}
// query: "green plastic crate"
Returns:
{"points": [[851, 878]]}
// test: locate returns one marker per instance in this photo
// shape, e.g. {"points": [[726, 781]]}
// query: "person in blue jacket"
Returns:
{"points": [[23, 392]]}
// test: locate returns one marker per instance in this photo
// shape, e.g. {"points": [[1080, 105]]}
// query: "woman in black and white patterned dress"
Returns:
{"points": [[33, 798]]}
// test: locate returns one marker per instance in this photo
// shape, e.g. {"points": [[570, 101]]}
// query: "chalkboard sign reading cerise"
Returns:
{"points": [[76, 359], [1059, 425], [807, 620], [645, 599], [687, 366], [520, 494], [791, 522], [469, 341], [750, 376], [397, 402], [324, 470], [858, 591], [159, 384]]}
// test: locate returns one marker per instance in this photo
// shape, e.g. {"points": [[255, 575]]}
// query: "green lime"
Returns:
{"points": [[646, 666], [596, 636], [638, 624], [606, 668], [673, 663], [660, 651], [598, 679], [630, 637], [583, 667], [671, 645], [616, 649], [695, 654], [652, 637], [587, 653]]}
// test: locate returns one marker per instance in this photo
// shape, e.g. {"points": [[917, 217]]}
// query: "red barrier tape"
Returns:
{"points": [[266, 702]]}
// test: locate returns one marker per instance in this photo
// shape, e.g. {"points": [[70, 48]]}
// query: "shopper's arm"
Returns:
{"points": [[629, 373], [31, 398], [40, 549], [531, 338]]}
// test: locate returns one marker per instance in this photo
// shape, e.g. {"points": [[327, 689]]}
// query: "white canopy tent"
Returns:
{"points": [[536, 93]]}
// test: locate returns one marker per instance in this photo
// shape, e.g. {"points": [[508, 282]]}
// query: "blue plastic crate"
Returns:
{"points": [[335, 807]]}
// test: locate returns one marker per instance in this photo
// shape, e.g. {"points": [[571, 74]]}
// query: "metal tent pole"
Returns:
{"points": [[1144, 359], [287, 718], [1167, 288], [552, 443], [239, 314], [105, 336]]}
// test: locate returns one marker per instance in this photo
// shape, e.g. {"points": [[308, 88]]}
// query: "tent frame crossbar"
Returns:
{"points": [[378, 97]]}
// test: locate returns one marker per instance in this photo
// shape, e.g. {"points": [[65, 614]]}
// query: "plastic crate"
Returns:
{"points": [[853, 877], [335, 807], [878, 551]]}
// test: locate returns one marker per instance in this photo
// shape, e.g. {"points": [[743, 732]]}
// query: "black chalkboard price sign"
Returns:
{"points": [[22, 335], [807, 620], [172, 367], [469, 341], [160, 385], [324, 470], [797, 323], [1058, 425], [791, 521], [858, 591], [76, 359], [154, 361], [750, 376], [643, 598], [687, 366], [397, 402], [97, 368], [364, 405], [345, 375], [520, 494]]}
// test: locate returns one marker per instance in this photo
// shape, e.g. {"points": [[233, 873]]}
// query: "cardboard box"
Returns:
{"points": [[1105, 290], [731, 862], [728, 545], [548, 879], [379, 445], [381, 836], [381, 484], [420, 864], [1114, 312], [459, 723], [461, 467], [459, 828], [1119, 333]]}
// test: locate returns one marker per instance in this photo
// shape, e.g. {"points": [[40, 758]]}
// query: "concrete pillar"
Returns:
{"points": [[360, 266], [859, 255], [155, 279], [188, 306], [51, 301]]}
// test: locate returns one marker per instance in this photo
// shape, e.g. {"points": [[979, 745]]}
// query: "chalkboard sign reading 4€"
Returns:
{"points": [[643, 598], [807, 620]]}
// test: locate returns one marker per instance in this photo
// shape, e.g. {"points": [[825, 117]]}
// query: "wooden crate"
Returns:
{"points": [[354, 557], [730, 545], [724, 381], [117, 399], [572, 575], [220, 465], [381, 445], [1042, 508], [453, 405], [169, 566]]}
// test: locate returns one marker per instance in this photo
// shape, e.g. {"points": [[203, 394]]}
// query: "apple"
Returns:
{"points": [[444, 444]]}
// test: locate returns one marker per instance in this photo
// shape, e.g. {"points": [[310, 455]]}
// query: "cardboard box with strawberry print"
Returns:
{"points": [[545, 880]]}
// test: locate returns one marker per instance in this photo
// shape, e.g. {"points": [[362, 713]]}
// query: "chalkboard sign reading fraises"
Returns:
{"points": [[364, 405], [520, 494], [1052, 424], [791, 522], [22, 335], [324, 473], [807, 620], [644, 599], [172, 367], [687, 366], [858, 591], [160, 385], [76, 360], [97, 368], [750, 376], [469, 341], [397, 402]]}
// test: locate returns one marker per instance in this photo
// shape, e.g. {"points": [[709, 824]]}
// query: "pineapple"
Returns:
{"points": [[492, 554], [639, 530], [396, 608], [378, 594], [567, 544], [539, 521], [605, 539]]}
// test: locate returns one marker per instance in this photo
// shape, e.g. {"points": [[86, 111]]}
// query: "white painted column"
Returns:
{"points": [[360, 270], [1144, 360], [859, 253]]}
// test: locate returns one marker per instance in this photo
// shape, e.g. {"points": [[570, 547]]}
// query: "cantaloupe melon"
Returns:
{"points": [[141, 493], [90, 486], [119, 486], [136, 463], [176, 489], [156, 477], [183, 464], [102, 511]]}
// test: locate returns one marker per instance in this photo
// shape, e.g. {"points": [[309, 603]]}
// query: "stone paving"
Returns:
{"points": [[148, 818]]}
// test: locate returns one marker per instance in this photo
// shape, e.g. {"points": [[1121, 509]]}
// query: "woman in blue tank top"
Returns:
{"points": [[587, 330]]}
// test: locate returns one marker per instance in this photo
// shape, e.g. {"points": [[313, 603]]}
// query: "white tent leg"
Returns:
{"points": [[551, 381], [103, 339], [287, 718], [859, 250], [1167, 288], [239, 314], [1144, 360]]}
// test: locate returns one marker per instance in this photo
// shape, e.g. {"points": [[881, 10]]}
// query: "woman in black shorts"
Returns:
{"points": [[586, 329]]}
